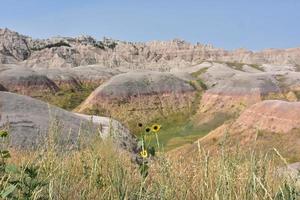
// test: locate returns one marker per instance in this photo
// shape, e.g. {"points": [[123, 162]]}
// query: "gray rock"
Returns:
{"points": [[244, 83], [141, 83], [25, 81], [13, 45], [155, 55], [2, 88], [30, 121]]}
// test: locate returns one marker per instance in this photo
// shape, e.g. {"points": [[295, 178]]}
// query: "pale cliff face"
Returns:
{"points": [[162, 55]]}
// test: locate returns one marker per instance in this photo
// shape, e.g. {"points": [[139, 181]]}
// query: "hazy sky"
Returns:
{"points": [[252, 24]]}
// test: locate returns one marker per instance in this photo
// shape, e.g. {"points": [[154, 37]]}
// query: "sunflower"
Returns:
{"points": [[148, 129], [144, 154], [155, 128]]}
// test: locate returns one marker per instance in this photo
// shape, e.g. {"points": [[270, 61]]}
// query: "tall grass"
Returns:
{"points": [[101, 171]]}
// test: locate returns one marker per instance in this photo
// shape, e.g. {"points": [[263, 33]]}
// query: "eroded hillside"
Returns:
{"points": [[191, 90]]}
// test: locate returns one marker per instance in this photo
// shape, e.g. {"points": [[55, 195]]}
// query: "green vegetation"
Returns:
{"points": [[48, 46], [68, 99], [199, 72], [256, 66], [179, 129], [239, 66]]}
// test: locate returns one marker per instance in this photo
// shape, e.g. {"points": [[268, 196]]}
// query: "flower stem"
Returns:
{"points": [[157, 141]]}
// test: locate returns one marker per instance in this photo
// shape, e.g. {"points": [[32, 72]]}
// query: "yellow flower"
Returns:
{"points": [[144, 154], [155, 128]]}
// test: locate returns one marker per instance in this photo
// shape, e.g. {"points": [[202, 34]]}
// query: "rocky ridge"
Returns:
{"points": [[160, 55]]}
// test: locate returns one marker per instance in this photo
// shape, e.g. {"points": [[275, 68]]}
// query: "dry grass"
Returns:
{"points": [[99, 171]]}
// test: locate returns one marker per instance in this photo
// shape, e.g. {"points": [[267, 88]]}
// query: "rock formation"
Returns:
{"points": [[160, 55], [144, 93], [26, 81], [145, 81], [31, 121], [272, 116]]}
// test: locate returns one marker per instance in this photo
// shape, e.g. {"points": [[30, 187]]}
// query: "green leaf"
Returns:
{"points": [[151, 150], [144, 170], [7, 191], [3, 133], [5, 154]]}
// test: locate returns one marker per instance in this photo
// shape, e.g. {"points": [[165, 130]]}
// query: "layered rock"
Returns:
{"points": [[13, 47], [231, 91], [26, 81], [31, 121], [158, 55], [37, 81], [89, 76], [142, 95], [264, 126], [272, 116]]}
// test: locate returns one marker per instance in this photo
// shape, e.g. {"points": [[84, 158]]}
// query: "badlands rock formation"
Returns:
{"points": [[231, 91], [271, 116], [266, 125], [140, 92], [25, 81], [30, 121], [148, 81], [35, 82], [70, 52]]}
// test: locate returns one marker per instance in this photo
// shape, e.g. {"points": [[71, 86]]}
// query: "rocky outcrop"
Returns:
{"points": [[140, 94], [13, 46], [262, 127], [37, 81], [272, 116], [158, 55], [31, 121], [124, 87], [26, 81], [91, 76], [231, 91]]}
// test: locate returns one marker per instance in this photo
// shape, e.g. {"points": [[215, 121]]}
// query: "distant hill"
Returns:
{"points": [[85, 50]]}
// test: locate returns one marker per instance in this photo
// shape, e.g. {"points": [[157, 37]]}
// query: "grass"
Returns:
{"points": [[179, 129], [239, 66], [68, 98], [199, 72], [100, 171], [173, 112]]}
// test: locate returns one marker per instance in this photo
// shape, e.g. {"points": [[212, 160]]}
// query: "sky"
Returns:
{"points": [[229, 24]]}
